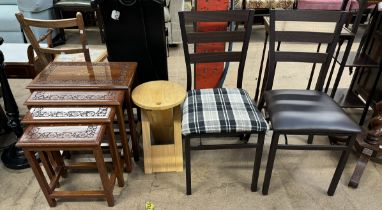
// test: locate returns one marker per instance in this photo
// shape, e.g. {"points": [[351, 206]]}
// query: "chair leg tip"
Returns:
{"points": [[353, 184], [265, 192], [253, 188]]}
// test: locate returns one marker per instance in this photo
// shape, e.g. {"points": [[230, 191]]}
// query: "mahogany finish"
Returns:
{"points": [[79, 115], [85, 99], [92, 76], [49, 140]]}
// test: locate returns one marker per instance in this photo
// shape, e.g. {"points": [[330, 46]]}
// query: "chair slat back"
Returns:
{"points": [[331, 38], [43, 52], [196, 37]]}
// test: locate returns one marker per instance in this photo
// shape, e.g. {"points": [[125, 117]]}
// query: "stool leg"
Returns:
{"points": [[124, 141], [115, 156], [40, 177], [107, 188]]}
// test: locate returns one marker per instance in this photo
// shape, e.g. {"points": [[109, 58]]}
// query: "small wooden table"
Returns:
{"points": [[19, 60], [92, 76], [161, 125]]}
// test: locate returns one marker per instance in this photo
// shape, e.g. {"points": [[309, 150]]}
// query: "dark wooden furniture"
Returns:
{"points": [[12, 157], [19, 60], [369, 146], [366, 82], [46, 54], [84, 99], [49, 140], [305, 112], [92, 76], [79, 6], [138, 35], [223, 118], [365, 62], [101, 115]]}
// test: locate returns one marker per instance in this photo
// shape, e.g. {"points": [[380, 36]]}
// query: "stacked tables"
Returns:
{"points": [[92, 76]]}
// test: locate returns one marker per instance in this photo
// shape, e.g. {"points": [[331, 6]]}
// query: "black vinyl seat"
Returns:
{"points": [[301, 110]]}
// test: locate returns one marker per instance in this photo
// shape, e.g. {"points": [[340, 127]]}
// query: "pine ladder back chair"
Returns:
{"points": [[305, 112], [219, 111], [44, 52]]}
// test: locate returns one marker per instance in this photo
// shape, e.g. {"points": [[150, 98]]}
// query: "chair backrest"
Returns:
{"points": [[312, 17], [42, 52], [196, 37]]}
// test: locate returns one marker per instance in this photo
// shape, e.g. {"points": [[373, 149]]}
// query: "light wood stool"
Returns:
{"points": [[87, 98], [55, 138], [75, 115], [161, 125]]}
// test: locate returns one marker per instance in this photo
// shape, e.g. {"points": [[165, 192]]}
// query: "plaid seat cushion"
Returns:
{"points": [[220, 110]]}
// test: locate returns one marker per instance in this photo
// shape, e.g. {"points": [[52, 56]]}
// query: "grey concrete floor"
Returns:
{"points": [[221, 179]]}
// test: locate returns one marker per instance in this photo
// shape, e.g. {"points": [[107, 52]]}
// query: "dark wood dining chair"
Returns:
{"points": [[305, 112], [216, 112]]}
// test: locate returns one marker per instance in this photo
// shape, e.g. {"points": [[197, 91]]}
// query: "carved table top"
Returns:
{"points": [[60, 98], [46, 136], [82, 75]]}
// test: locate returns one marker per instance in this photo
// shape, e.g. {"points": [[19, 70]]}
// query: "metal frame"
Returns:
{"points": [[276, 56], [226, 36]]}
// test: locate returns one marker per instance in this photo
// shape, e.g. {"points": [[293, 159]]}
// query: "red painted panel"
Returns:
{"points": [[207, 75]]}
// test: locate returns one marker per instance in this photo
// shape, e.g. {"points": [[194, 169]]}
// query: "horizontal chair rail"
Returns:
{"points": [[300, 57], [61, 51], [66, 23], [216, 16], [294, 36], [223, 146], [311, 16], [215, 57], [215, 36], [311, 147]]}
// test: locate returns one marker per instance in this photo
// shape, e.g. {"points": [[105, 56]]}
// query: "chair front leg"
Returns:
{"points": [[341, 165], [271, 159], [256, 167], [188, 165]]}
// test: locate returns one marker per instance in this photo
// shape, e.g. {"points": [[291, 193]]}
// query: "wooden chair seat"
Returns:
{"points": [[50, 140], [96, 55], [85, 99]]}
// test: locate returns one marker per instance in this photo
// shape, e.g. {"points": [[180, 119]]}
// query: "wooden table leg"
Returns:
{"points": [[360, 167], [133, 131]]}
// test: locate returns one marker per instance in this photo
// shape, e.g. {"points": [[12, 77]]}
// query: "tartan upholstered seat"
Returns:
{"points": [[221, 110]]}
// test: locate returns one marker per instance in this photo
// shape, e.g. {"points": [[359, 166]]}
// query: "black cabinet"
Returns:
{"points": [[138, 35]]}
